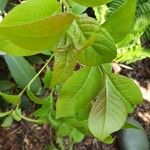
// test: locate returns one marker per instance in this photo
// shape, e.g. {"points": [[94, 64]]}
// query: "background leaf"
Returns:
{"points": [[3, 5], [6, 85], [22, 72], [7, 122], [122, 17], [92, 3]]}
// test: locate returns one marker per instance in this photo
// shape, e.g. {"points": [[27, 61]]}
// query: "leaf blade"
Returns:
{"points": [[22, 72], [71, 96], [121, 18]]}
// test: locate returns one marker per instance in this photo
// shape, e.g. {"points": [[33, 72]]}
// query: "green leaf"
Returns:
{"points": [[98, 43], [120, 23], [5, 85], [133, 139], [92, 3], [31, 11], [109, 111], [129, 125], [78, 91], [4, 114], [3, 5], [22, 72], [7, 122], [76, 8], [63, 130], [36, 99], [11, 48], [34, 26], [76, 135], [47, 78], [15, 116], [19, 113], [64, 65], [130, 91], [42, 111], [14, 99]]}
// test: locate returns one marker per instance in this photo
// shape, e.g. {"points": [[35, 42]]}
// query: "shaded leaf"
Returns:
{"points": [[6, 85], [36, 99], [22, 72], [47, 78], [3, 5], [133, 139], [13, 99], [7, 122], [4, 114]]}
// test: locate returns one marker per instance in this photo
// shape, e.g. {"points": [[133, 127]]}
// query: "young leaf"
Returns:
{"points": [[78, 91], [92, 3], [7, 122], [36, 99], [14, 99], [76, 135], [112, 105], [22, 72], [42, 111], [47, 78], [5, 85], [121, 22], [15, 116], [64, 65], [4, 114], [102, 48], [34, 29]]}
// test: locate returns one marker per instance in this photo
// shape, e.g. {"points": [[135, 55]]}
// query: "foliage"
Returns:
{"points": [[132, 47], [90, 99]]}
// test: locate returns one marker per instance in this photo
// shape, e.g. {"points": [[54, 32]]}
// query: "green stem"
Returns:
{"points": [[29, 84]]}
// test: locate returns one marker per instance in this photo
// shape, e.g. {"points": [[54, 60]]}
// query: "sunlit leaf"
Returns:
{"points": [[121, 22]]}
